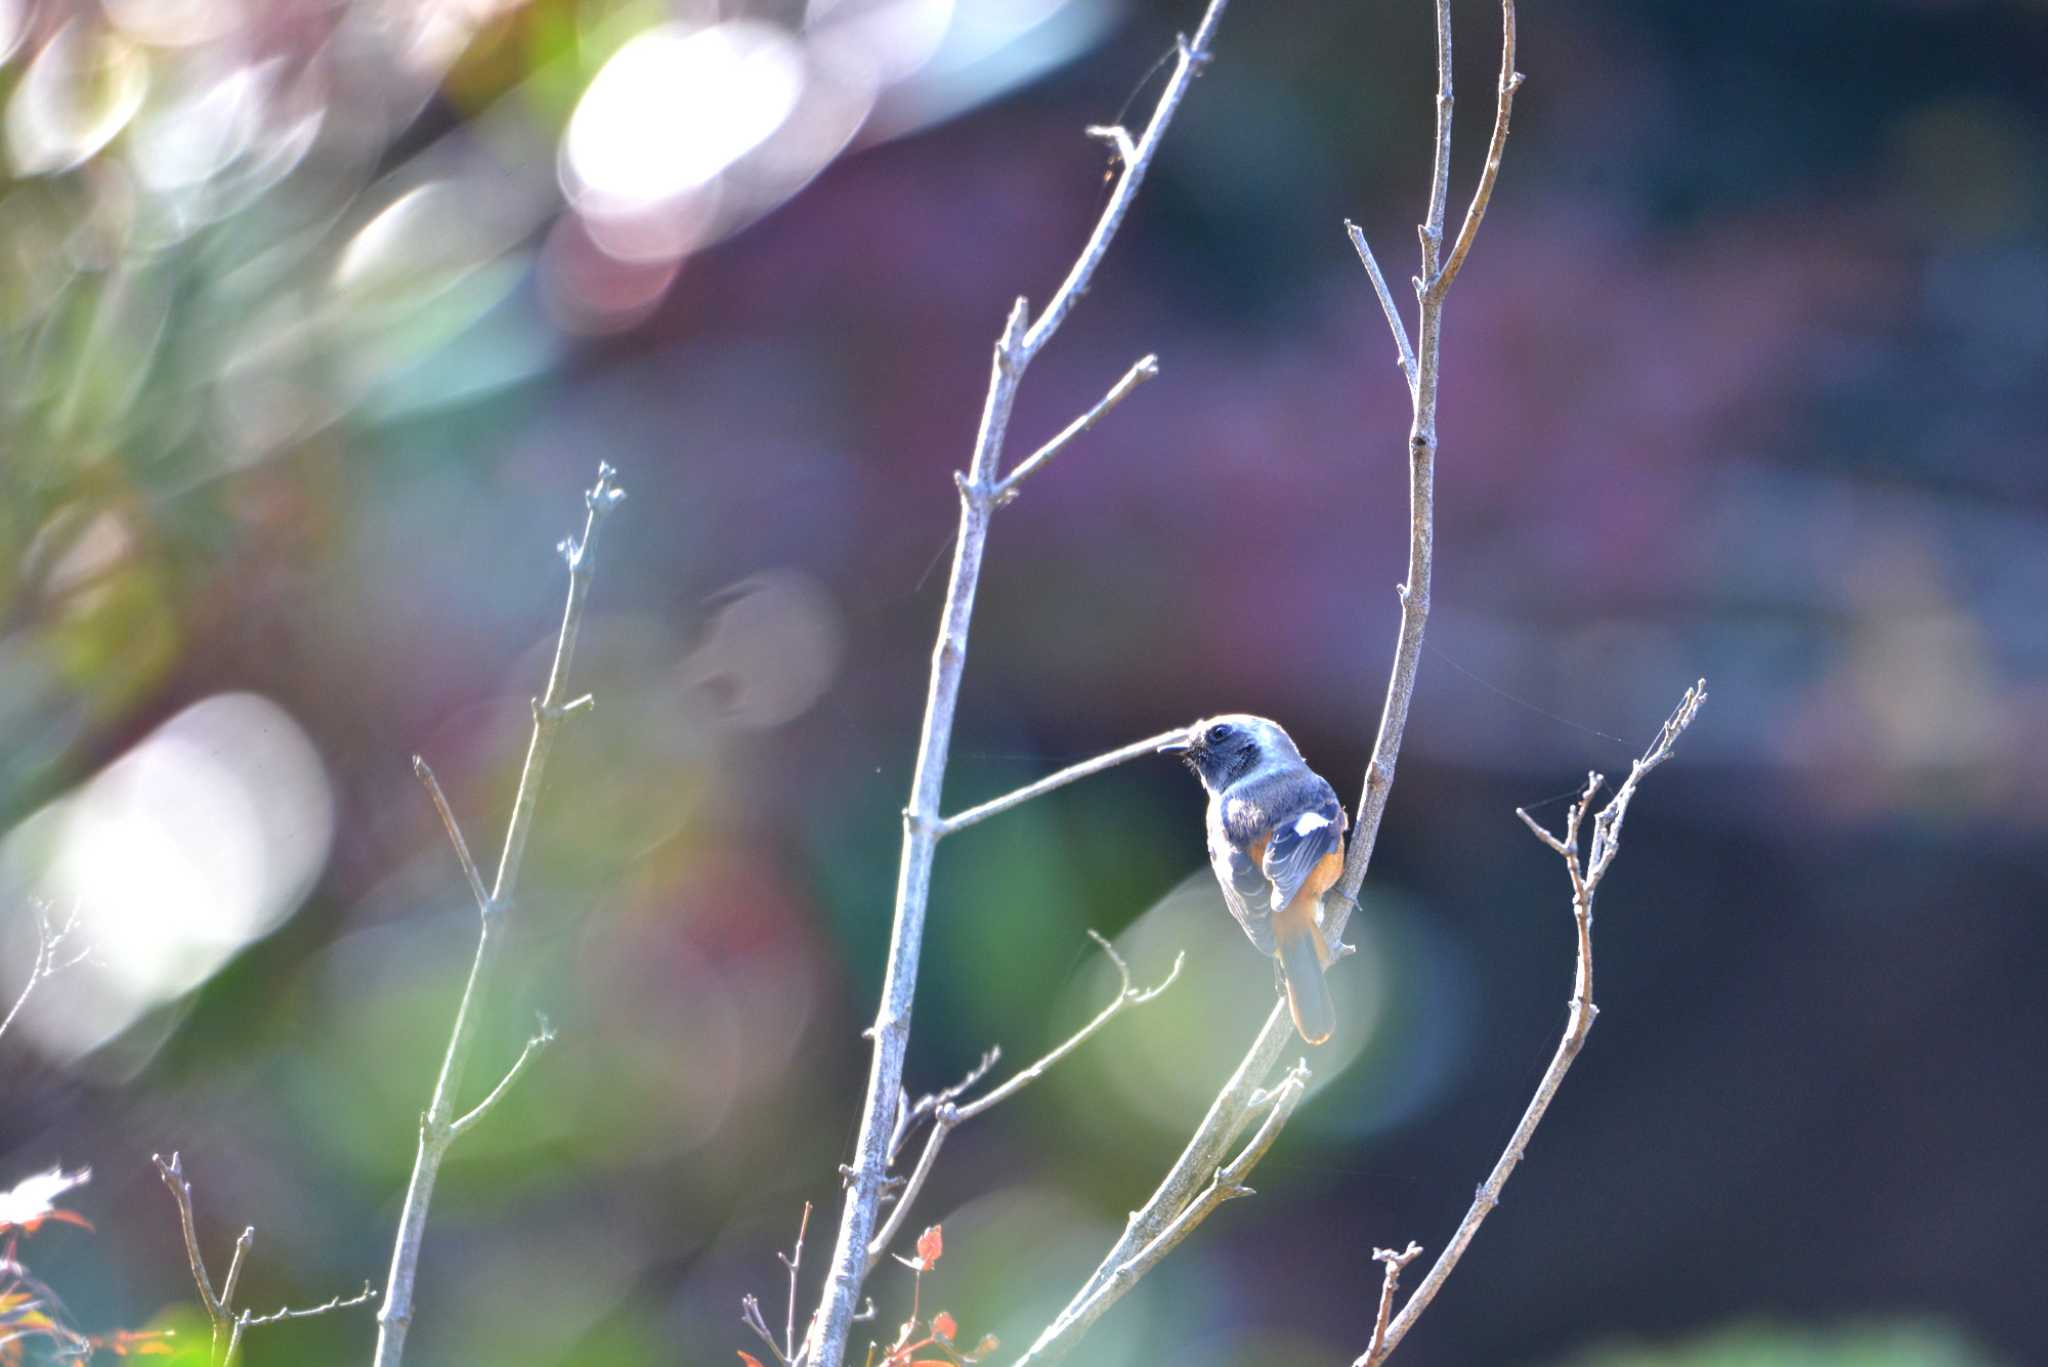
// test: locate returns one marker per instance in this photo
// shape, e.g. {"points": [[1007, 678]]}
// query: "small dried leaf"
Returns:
{"points": [[748, 1358], [930, 1245], [989, 1343], [943, 1325]]}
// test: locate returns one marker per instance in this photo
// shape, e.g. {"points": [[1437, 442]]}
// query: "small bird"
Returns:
{"points": [[1276, 842]]}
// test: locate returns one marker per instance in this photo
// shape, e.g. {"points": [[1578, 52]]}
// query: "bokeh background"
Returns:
{"points": [[315, 319]]}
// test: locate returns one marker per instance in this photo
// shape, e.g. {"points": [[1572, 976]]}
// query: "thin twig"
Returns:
{"points": [[540, 1040], [909, 1116], [1581, 1010], [1482, 195], [226, 1324], [1389, 1284], [49, 960], [1145, 369], [425, 774], [241, 1255], [947, 1115], [1403, 352], [1137, 749], [172, 1170], [439, 1125], [282, 1313], [1227, 1184], [794, 1262], [1021, 341]]}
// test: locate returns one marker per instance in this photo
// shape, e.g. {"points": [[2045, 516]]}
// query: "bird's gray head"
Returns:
{"points": [[1223, 749]]}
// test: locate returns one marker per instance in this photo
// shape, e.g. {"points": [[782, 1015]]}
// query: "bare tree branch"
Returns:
{"points": [[50, 959], [173, 1173], [1231, 1111], [946, 1115], [439, 1125], [425, 774], [979, 491], [1482, 195], [1145, 369], [227, 1324], [1581, 1011], [1227, 1184], [540, 1040], [1389, 1284], [1137, 749], [282, 1313], [1403, 352]]}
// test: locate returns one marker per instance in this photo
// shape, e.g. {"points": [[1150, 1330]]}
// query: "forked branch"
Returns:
{"points": [[52, 957], [1226, 1184], [226, 1323], [1585, 875], [948, 1114], [983, 487], [441, 1124]]}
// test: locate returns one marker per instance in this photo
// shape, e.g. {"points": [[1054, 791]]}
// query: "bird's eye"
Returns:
{"points": [[1218, 733]]}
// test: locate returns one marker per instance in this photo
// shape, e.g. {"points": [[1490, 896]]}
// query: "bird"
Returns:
{"points": [[1276, 843]]}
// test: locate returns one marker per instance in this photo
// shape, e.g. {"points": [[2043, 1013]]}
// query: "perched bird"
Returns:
{"points": [[1276, 841]]}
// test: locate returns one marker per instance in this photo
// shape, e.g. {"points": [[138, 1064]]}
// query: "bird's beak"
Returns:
{"points": [[1179, 745]]}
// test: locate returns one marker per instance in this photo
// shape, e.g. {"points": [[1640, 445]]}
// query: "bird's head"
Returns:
{"points": [[1223, 749]]}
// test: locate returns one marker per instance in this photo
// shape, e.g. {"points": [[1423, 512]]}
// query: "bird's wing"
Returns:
{"points": [[1300, 843]]}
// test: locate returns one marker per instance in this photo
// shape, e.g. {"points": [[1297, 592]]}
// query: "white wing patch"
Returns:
{"points": [[1308, 823]]}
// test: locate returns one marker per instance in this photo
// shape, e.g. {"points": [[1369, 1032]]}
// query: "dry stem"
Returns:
{"points": [[947, 1115], [440, 1125], [1226, 1184], [49, 960], [981, 488], [228, 1324], [1585, 881]]}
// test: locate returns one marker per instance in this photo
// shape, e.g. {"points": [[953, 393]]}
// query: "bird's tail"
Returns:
{"points": [[1299, 948]]}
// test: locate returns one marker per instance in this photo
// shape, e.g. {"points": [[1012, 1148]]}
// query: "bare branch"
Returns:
{"points": [[1510, 82], [241, 1254], [1020, 343], [228, 1326], [1440, 166], [750, 1315], [794, 1262], [1403, 352], [50, 959], [541, 1039], [1137, 749], [282, 1313], [173, 1173], [1145, 369], [439, 1126], [1192, 57], [947, 1115], [425, 774], [1389, 1284], [910, 1115], [1227, 1184], [1578, 1023]]}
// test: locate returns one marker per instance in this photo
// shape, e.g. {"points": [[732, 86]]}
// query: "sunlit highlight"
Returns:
{"points": [[203, 837]]}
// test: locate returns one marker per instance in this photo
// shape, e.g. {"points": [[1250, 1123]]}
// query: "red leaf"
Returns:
{"points": [[930, 1245], [943, 1326], [748, 1358]]}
